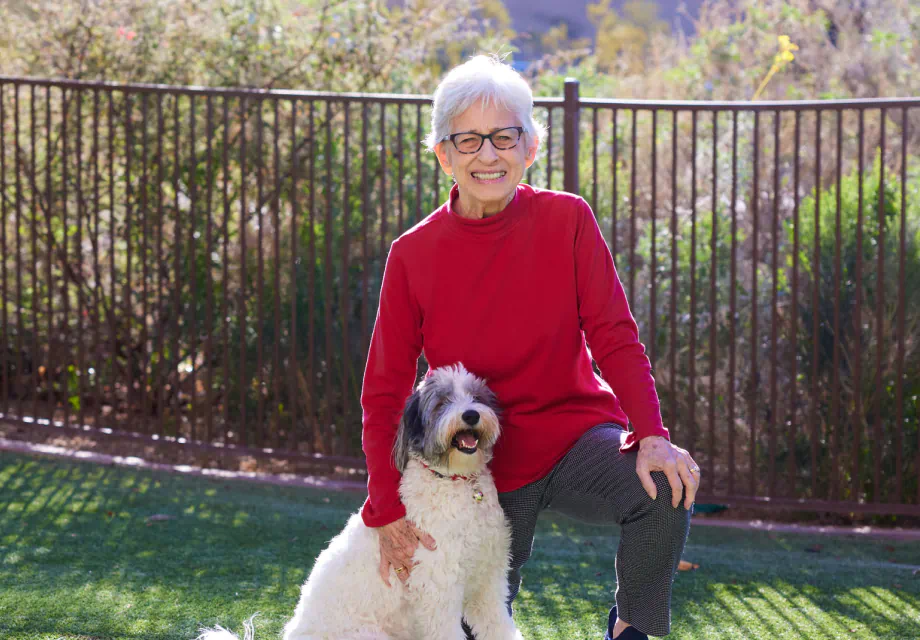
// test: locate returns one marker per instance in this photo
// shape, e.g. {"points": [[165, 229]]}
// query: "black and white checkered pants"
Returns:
{"points": [[596, 483]]}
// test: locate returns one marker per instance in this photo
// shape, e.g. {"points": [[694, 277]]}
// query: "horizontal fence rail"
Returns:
{"points": [[204, 265]]}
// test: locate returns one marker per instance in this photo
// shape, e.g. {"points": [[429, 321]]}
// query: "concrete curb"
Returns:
{"points": [[288, 479]]}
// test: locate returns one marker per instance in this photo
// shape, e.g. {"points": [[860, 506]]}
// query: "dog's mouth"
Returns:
{"points": [[465, 442]]}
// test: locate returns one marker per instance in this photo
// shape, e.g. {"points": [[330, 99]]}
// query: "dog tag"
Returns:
{"points": [[477, 495]]}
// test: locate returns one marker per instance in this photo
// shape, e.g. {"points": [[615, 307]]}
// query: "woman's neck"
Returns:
{"points": [[477, 210]]}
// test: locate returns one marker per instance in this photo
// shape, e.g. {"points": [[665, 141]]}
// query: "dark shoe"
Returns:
{"points": [[630, 633]]}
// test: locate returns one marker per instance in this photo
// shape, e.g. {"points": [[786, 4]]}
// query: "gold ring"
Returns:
{"points": [[400, 569], [694, 469]]}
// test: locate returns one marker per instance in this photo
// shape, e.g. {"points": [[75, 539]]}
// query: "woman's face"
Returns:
{"points": [[487, 179]]}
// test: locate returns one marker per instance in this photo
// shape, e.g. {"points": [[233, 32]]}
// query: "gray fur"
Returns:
{"points": [[432, 417]]}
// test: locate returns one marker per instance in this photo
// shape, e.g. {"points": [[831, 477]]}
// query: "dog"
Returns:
{"points": [[444, 442]]}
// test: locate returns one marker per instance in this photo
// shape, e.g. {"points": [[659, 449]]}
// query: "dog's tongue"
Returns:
{"points": [[467, 440]]}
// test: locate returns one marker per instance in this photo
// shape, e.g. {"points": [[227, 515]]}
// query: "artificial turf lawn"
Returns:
{"points": [[80, 558]]}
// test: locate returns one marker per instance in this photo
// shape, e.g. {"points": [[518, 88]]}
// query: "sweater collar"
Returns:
{"points": [[493, 224]]}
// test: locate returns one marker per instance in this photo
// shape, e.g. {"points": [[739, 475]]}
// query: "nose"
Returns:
{"points": [[471, 417], [487, 151]]}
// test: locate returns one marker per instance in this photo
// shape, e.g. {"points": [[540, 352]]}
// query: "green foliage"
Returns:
{"points": [[847, 315]]}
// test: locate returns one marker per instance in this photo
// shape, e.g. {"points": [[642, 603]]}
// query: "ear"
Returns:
{"points": [[532, 147], [410, 430], [441, 151]]}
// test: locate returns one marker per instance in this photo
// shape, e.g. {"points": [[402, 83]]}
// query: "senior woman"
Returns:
{"points": [[517, 283]]}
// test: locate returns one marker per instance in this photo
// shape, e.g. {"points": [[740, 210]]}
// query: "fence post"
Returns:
{"points": [[570, 149]]}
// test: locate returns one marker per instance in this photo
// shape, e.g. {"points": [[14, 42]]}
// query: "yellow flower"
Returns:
{"points": [[787, 45]]}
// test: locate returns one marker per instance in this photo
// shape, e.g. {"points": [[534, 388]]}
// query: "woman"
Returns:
{"points": [[517, 283]]}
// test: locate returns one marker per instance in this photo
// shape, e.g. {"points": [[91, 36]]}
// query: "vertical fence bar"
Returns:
{"points": [[383, 189], [144, 258], [366, 209], [549, 147], [571, 133], [594, 162], [399, 155], [18, 217], [346, 245], [879, 311], [113, 279], [731, 312], [816, 281], [653, 264], [260, 276], [79, 282], [755, 373], [129, 309], [902, 277], [276, 237], [245, 434], [793, 394], [65, 334], [418, 170], [672, 347], [311, 287], [4, 336], [225, 279], [774, 308], [175, 361], [436, 170], [328, 441], [692, 357], [712, 296], [49, 259], [613, 170], [33, 234], [209, 284], [97, 274], [192, 310], [294, 373], [632, 214], [856, 385], [161, 314], [835, 381]]}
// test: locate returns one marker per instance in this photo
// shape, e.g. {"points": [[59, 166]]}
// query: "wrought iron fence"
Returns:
{"points": [[204, 265]]}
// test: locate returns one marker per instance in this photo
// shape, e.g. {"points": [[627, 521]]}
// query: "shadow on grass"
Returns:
{"points": [[80, 555], [70, 530]]}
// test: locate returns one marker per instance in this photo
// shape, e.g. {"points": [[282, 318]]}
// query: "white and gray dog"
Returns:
{"points": [[443, 444]]}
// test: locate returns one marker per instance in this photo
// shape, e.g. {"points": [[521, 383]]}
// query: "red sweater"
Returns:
{"points": [[513, 297]]}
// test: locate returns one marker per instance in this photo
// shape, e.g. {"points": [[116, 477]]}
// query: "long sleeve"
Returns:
{"points": [[612, 333], [392, 363]]}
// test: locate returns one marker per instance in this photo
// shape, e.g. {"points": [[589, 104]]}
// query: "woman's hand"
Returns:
{"points": [[658, 454], [398, 542]]}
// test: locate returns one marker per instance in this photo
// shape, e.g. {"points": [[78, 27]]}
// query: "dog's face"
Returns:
{"points": [[450, 422]]}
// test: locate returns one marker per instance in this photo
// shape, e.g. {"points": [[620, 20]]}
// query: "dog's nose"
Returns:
{"points": [[470, 417]]}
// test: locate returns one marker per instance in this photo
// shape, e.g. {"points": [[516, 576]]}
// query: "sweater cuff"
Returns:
{"points": [[373, 517], [631, 442]]}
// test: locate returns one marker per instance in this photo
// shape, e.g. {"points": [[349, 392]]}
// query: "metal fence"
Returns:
{"points": [[204, 264]]}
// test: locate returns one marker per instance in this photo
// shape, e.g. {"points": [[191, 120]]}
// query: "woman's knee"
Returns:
{"points": [[663, 504]]}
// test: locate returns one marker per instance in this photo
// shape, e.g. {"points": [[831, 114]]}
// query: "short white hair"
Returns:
{"points": [[484, 78]]}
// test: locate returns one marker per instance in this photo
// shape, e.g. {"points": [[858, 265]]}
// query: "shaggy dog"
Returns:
{"points": [[443, 444]]}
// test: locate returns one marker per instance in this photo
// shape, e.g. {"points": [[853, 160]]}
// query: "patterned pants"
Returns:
{"points": [[595, 483]]}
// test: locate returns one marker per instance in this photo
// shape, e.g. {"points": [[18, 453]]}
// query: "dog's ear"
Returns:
{"points": [[410, 430]]}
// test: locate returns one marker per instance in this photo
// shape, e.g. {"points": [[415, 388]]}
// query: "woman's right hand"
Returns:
{"points": [[398, 542]]}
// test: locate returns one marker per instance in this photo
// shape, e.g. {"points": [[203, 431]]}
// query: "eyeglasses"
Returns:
{"points": [[471, 142]]}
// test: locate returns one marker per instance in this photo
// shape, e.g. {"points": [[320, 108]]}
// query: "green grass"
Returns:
{"points": [[79, 559]]}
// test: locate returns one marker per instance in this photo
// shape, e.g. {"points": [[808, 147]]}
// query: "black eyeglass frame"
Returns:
{"points": [[482, 139]]}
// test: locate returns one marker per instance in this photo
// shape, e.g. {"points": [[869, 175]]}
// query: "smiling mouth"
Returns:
{"points": [[488, 176], [465, 442]]}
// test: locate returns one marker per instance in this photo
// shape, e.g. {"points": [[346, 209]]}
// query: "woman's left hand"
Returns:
{"points": [[658, 454]]}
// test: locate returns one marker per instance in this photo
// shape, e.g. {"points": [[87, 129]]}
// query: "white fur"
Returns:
{"points": [[344, 597]]}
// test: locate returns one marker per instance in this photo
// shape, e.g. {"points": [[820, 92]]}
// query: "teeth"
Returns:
{"points": [[489, 176]]}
